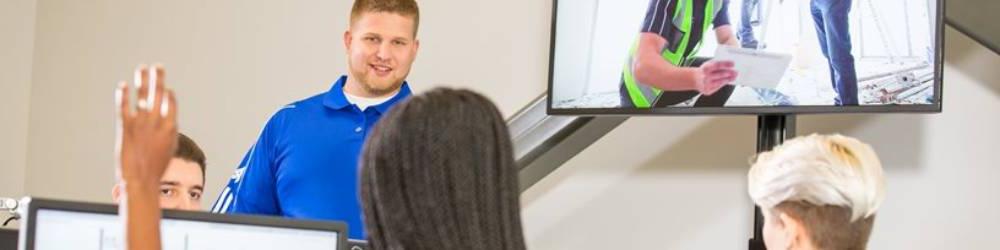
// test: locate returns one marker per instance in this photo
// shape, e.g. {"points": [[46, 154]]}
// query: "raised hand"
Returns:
{"points": [[147, 136]]}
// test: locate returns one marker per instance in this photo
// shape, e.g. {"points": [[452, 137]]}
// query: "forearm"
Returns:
{"points": [[731, 41], [649, 66], [660, 74], [142, 216], [725, 36]]}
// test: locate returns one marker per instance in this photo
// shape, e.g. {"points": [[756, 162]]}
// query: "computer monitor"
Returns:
{"points": [[52, 224]]}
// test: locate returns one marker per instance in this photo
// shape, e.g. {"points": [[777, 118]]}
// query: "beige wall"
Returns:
{"points": [[17, 35], [235, 62]]}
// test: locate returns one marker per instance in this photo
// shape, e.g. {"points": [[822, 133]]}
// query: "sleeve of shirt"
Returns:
{"points": [[722, 18], [656, 20], [251, 189]]}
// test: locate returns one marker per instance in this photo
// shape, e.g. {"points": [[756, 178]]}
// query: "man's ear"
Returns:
{"points": [[794, 231], [116, 193], [348, 37]]}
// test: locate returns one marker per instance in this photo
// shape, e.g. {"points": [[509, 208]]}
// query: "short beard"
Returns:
{"points": [[371, 89]]}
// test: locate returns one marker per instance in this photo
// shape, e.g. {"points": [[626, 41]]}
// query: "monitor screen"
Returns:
{"points": [[745, 56], [62, 229]]}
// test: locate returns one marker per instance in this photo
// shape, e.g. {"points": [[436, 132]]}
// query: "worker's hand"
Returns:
{"points": [[148, 136], [713, 75]]}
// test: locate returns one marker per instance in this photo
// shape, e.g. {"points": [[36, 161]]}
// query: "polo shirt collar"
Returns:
{"points": [[335, 98]]}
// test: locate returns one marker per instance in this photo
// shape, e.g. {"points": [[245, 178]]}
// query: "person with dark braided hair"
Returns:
{"points": [[438, 172]]}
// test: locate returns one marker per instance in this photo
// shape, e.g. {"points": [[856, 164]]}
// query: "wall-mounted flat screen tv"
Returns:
{"points": [[676, 57]]}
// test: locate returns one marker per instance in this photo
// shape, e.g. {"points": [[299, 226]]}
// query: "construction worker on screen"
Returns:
{"points": [[660, 70]]}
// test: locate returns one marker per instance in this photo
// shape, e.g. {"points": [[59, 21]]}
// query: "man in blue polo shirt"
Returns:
{"points": [[305, 163]]}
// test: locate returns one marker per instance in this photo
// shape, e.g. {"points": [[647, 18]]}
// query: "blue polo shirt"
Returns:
{"points": [[305, 163]]}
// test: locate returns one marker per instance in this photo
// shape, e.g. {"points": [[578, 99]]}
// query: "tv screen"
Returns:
{"points": [[745, 56]]}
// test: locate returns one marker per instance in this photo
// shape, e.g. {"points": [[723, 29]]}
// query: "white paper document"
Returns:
{"points": [[756, 68]]}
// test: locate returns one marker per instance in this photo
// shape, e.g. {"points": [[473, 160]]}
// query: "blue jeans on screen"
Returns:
{"points": [[835, 41], [745, 34]]}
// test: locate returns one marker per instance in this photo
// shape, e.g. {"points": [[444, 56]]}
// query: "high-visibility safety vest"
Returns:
{"points": [[642, 95]]}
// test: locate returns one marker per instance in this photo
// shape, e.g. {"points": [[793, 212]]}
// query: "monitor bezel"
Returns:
{"points": [[35, 204], [935, 107]]}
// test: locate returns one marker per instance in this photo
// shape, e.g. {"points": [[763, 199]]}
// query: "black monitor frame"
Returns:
{"points": [[760, 110], [27, 236]]}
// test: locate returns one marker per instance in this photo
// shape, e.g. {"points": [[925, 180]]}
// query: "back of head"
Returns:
{"points": [[438, 173], [832, 183]]}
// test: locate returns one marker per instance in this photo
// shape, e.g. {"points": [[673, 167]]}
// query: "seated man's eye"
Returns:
{"points": [[196, 196], [167, 192]]}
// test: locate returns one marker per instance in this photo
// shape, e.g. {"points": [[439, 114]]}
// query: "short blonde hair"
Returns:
{"points": [[821, 170], [406, 8], [832, 183]]}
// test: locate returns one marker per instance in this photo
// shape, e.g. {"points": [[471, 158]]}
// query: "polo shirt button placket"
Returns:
{"points": [[361, 125]]}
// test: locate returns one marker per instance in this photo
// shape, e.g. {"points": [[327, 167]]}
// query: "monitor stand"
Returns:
{"points": [[772, 130]]}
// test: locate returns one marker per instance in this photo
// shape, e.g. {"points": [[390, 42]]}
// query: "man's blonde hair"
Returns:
{"points": [[406, 8], [833, 183]]}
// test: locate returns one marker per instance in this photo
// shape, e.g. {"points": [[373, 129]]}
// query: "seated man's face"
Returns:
{"points": [[181, 187]]}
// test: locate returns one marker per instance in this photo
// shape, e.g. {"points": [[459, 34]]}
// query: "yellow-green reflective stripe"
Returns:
{"points": [[638, 92]]}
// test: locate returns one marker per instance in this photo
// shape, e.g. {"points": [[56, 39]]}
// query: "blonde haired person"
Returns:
{"points": [[818, 192]]}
